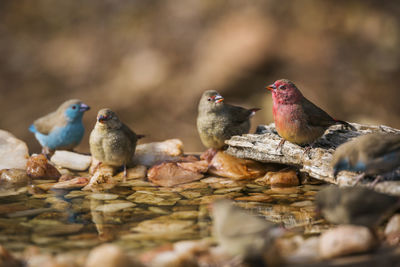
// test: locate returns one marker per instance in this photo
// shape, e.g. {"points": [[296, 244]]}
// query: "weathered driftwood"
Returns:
{"points": [[262, 146]]}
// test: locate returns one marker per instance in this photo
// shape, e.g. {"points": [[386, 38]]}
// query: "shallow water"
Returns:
{"points": [[138, 215]]}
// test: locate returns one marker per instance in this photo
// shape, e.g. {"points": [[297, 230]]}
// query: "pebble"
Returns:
{"points": [[279, 179], [175, 173], [38, 167], [154, 153], [228, 166], [109, 255], [137, 172], [345, 240], [71, 160], [392, 230], [114, 207], [13, 179], [74, 183], [13, 152]]}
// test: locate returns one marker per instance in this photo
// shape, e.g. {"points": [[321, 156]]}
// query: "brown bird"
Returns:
{"points": [[111, 141], [355, 205], [218, 121], [296, 118], [372, 154], [242, 234]]}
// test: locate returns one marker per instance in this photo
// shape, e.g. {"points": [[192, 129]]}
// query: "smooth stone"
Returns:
{"points": [[71, 160], [151, 198], [154, 153], [345, 240], [38, 167], [257, 198], [13, 179], [302, 203], [114, 207], [14, 153], [225, 165], [175, 173], [279, 179], [158, 226], [103, 196], [137, 172], [8, 260], [392, 230], [74, 183], [108, 255]]}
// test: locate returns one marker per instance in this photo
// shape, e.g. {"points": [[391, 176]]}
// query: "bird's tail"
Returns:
{"points": [[32, 128], [140, 136], [347, 125]]}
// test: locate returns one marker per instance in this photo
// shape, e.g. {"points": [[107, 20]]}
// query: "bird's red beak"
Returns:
{"points": [[271, 87], [218, 99]]}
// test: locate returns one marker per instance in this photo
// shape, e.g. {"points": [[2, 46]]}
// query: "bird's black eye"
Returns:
{"points": [[73, 107], [282, 87], [209, 99]]}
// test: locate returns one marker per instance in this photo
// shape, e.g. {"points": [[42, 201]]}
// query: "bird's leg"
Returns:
{"points": [[280, 145], [125, 174], [359, 178], [377, 179], [46, 152], [209, 154], [308, 148]]}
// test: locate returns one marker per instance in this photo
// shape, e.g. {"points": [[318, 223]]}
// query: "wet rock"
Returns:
{"points": [[13, 152], [157, 152], [8, 260], [262, 147], [38, 167], [256, 198], [174, 173], [181, 254], [152, 198], [102, 179], [114, 207], [163, 226], [217, 182], [137, 172], [74, 183], [103, 196], [392, 230], [13, 179], [345, 240], [228, 166], [71, 160], [286, 178], [108, 255]]}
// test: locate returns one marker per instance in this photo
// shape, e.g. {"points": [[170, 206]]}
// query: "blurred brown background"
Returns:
{"points": [[151, 60]]}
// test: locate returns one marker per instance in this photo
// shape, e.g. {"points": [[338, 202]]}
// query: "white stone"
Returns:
{"points": [[345, 240], [393, 226], [13, 152], [71, 160], [113, 207], [154, 153]]}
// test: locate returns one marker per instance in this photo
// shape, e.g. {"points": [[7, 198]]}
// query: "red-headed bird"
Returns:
{"points": [[296, 118]]}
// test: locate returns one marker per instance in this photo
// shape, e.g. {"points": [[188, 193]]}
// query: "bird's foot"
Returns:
{"points": [[125, 174], [209, 154], [376, 180], [359, 178], [307, 150], [280, 145], [47, 152]]}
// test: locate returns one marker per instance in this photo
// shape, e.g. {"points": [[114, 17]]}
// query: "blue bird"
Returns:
{"points": [[61, 129], [371, 154]]}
